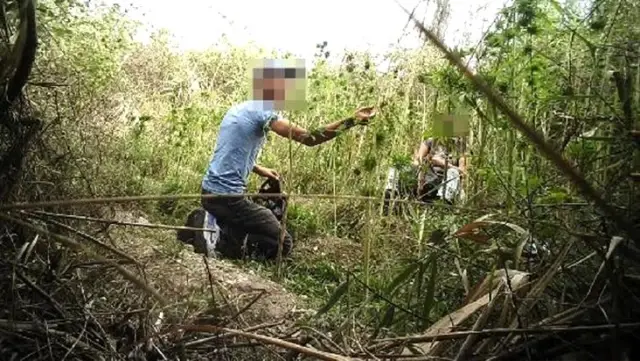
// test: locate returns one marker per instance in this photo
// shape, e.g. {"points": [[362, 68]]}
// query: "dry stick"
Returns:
{"points": [[225, 335], [247, 306], [268, 340], [72, 340], [68, 242], [215, 283], [147, 225], [105, 200], [326, 338], [170, 227], [505, 331], [283, 232], [22, 326], [42, 293], [293, 354], [397, 357], [114, 222], [87, 237], [465, 349], [518, 121], [210, 277], [75, 343]]}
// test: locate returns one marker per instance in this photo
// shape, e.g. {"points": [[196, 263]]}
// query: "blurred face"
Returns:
{"points": [[282, 82], [270, 85]]}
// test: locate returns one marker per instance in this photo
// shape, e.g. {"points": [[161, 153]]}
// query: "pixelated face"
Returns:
{"points": [[451, 125], [280, 81]]}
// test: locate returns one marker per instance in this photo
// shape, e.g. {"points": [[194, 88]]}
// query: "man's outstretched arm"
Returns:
{"points": [[285, 129]]}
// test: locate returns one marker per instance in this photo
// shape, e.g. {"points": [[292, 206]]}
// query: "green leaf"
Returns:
{"points": [[402, 277], [388, 316], [335, 297], [429, 299], [420, 280]]}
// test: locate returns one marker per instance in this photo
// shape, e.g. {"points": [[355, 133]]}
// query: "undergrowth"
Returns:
{"points": [[124, 118]]}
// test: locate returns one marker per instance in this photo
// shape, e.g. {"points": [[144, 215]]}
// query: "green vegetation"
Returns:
{"points": [[122, 118]]}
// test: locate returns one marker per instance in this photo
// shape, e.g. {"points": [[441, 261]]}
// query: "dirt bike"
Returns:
{"points": [[217, 240]]}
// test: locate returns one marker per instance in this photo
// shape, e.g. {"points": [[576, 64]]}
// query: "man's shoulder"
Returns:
{"points": [[254, 109], [253, 115], [244, 107]]}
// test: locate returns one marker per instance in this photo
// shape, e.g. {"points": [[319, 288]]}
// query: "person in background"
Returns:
{"points": [[401, 183], [240, 138], [442, 164]]}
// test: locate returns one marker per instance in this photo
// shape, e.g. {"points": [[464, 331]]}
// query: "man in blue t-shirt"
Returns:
{"points": [[240, 138]]}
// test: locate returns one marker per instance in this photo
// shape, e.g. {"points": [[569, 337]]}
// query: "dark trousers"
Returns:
{"points": [[239, 217]]}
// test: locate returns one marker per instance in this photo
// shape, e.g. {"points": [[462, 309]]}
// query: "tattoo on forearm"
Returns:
{"points": [[319, 133], [349, 123], [322, 133]]}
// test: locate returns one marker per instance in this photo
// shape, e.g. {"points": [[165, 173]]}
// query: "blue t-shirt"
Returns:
{"points": [[240, 138]]}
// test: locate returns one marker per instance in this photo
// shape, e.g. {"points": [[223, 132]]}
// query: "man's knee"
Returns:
{"points": [[263, 221], [263, 246], [287, 246]]}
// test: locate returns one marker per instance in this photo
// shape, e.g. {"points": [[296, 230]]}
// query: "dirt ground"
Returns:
{"points": [[343, 252], [182, 276]]}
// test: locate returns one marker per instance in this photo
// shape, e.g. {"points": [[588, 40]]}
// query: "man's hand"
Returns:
{"points": [[363, 115], [266, 172], [269, 173]]}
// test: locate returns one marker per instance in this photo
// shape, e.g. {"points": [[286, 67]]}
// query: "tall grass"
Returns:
{"points": [[148, 121]]}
